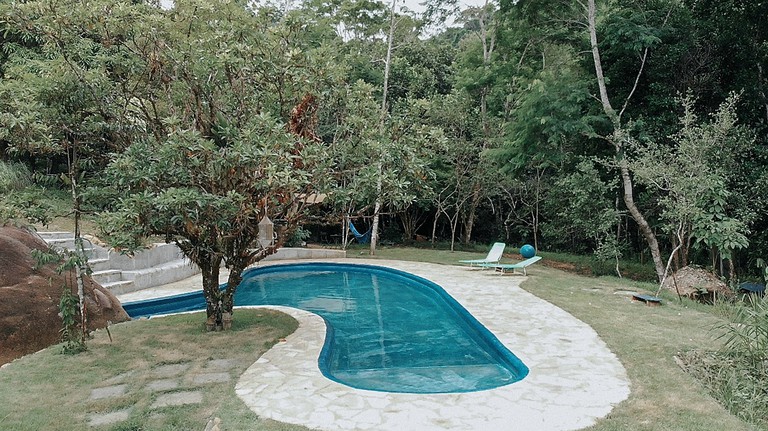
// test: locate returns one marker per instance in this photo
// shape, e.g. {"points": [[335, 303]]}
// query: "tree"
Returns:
{"points": [[217, 103], [582, 211], [698, 206], [389, 164], [209, 198], [619, 136], [60, 102], [477, 78]]}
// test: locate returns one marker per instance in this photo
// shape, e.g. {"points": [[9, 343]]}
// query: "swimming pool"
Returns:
{"points": [[387, 330]]}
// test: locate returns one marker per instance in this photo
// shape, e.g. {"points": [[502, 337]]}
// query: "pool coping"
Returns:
{"points": [[574, 378]]}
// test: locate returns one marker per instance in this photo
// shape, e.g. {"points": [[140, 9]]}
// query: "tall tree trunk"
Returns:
{"points": [[488, 40], [469, 220], [619, 139], [375, 224], [382, 120], [82, 260]]}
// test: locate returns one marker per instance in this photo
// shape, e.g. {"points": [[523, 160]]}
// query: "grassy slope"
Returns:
{"points": [[644, 338]]}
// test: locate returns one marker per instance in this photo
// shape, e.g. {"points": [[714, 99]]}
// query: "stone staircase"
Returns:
{"points": [[160, 264]]}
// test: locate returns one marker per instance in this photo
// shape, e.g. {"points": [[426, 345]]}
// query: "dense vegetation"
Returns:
{"points": [[623, 129]]}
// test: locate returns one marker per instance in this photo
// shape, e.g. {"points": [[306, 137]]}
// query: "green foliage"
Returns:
{"points": [[70, 333], [585, 211], [297, 237], [736, 374], [693, 178], [733, 382], [389, 162], [548, 115], [746, 335], [29, 204], [14, 177], [45, 257]]}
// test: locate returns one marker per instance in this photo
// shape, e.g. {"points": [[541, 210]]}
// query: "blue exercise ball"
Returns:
{"points": [[527, 251]]}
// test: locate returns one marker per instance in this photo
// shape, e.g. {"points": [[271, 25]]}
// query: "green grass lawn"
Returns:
{"points": [[50, 391]]}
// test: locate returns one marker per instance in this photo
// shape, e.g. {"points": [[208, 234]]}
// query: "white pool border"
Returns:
{"points": [[574, 378]]}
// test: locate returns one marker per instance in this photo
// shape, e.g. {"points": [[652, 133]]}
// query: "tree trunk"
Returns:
{"points": [[375, 226], [82, 259], [215, 298], [382, 119], [434, 224], [618, 139], [469, 221], [642, 223]]}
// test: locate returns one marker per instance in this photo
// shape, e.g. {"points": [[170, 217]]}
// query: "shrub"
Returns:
{"points": [[746, 335], [14, 177]]}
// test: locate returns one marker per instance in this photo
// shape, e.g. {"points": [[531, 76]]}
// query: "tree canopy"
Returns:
{"points": [[600, 127]]}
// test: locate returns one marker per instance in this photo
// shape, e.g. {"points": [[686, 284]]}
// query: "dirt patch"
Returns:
{"points": [[567, 267], [697, 283]]}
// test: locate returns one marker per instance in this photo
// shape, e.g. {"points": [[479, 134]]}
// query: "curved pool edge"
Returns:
{"points": [[574, 378], [487, 338], [193, 301]]}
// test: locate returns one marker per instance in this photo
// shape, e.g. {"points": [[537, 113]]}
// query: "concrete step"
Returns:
{"points": [[99, 264], [159, 264], [107, 276], [55, 235], [168, 272], [120, 287], [92, 251], [156, 255]]}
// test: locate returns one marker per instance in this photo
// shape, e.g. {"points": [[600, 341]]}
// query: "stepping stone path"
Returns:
{"points": [[98, 419], [175, 384], [108, 392], [171, 370], [205, 378], [163, 385], [178, 399]]}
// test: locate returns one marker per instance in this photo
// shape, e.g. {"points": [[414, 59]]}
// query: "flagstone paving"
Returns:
{"points": [[178, 399], [100, 419], [108, 392], [174, 385]]}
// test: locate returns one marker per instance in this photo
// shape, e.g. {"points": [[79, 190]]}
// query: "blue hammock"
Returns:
{"points": [[362, 238]]}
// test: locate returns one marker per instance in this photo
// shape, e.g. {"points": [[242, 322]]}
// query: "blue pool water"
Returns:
{"points": [[387, 330]]}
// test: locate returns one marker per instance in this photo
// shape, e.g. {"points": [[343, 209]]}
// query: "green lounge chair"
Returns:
{"points": [[494, 256], [504, 267]]}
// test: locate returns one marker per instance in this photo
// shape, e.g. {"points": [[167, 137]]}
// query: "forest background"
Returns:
{"points": [[620, 129]]}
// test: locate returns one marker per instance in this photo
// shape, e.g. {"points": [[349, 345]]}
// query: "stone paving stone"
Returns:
{"points": [[99, 419], [205, 378], [108, 392], [178, 399], [170, 370], [221, 364], [162, 385]]}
